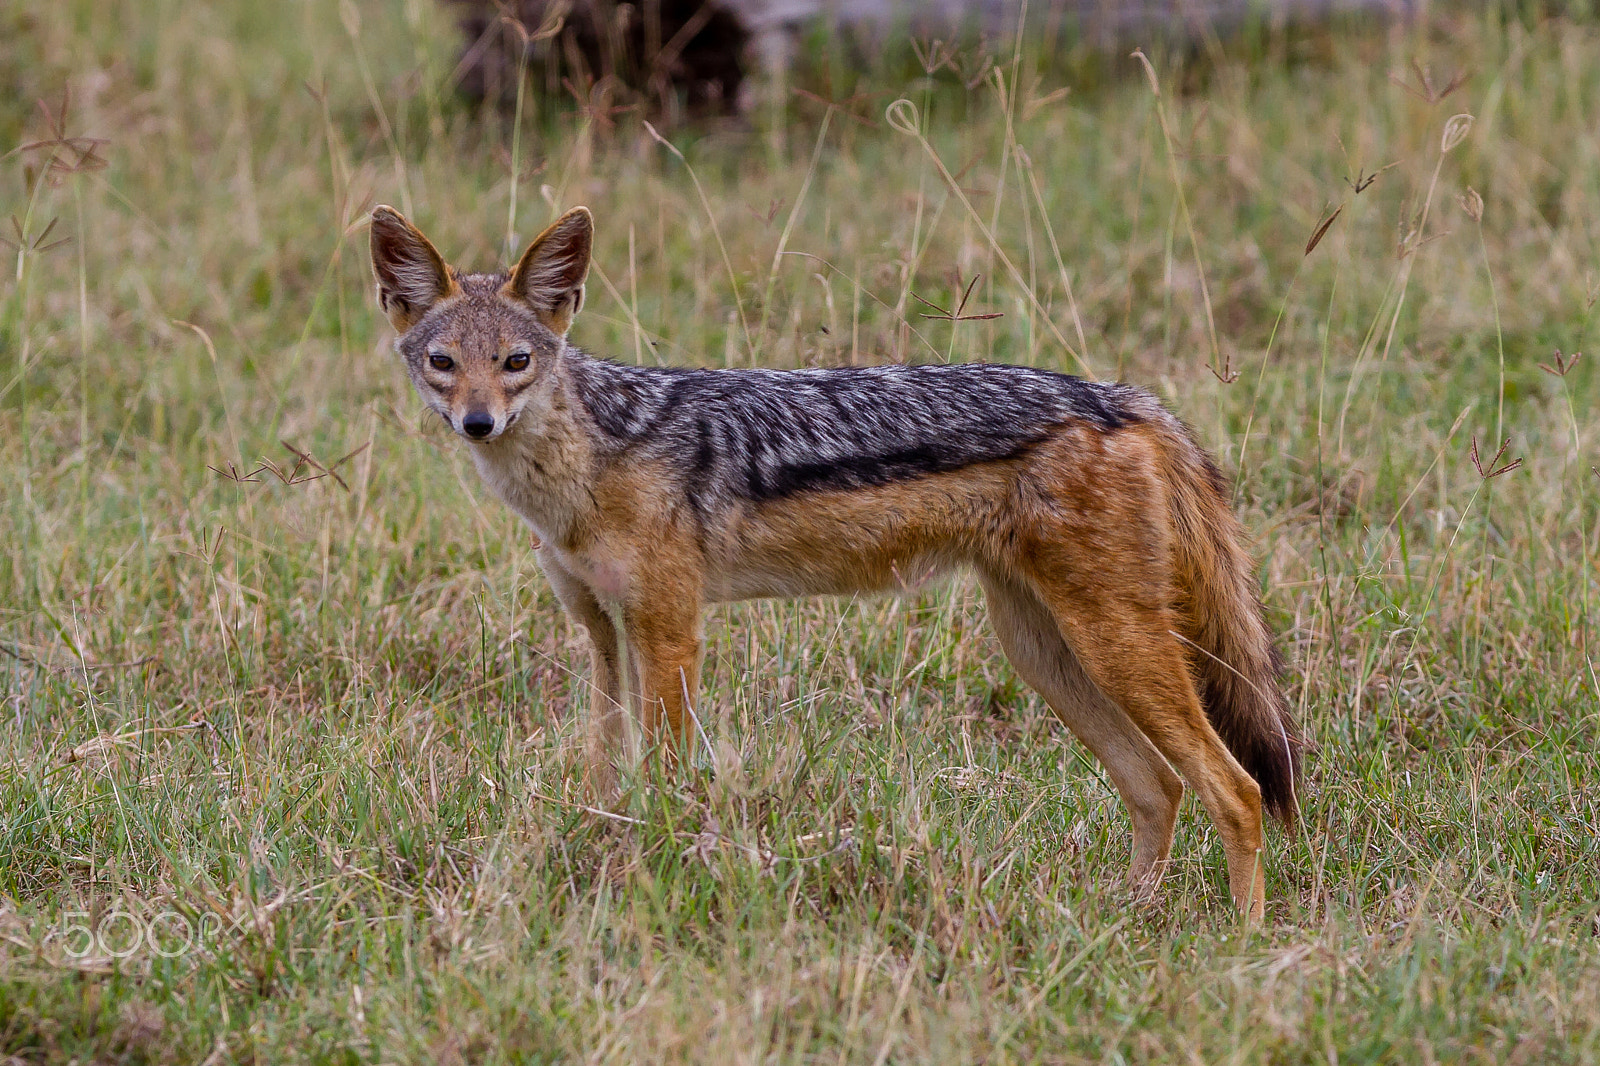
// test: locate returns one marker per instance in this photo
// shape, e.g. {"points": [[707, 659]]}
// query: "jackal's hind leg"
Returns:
{"points": [[1149, 788], [1129, 653]]}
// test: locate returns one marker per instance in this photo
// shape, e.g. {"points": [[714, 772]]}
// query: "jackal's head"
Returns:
{"points": [[482, 349]]}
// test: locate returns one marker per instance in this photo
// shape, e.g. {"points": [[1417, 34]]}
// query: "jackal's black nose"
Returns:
{"points": [[477, 424]]}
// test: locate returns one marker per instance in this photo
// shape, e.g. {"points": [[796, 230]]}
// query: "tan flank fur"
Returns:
{"points": [[1115, 572]]}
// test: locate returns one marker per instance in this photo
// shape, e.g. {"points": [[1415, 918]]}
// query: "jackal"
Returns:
{"points": [[1114, 570]]}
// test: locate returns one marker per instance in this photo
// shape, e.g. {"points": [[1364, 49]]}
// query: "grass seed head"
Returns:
{"points": [[1455, 131]]}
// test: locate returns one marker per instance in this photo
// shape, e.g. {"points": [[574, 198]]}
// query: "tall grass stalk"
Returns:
{"points": [[512, 251], [1218, 366], [1455, 130], [716, 232], [788, 225], [903, 117]]}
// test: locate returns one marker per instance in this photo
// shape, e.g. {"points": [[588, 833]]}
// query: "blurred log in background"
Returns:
{"points": [[697, 56]]}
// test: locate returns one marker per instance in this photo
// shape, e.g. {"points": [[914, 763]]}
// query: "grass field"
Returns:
{"points": [[288, 761]]}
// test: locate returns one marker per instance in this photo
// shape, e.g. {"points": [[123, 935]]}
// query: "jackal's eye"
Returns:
{"points": [[517, 361], [441, 362]]}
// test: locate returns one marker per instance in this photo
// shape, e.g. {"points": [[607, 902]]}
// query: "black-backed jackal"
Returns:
{"points": [[1115, 572]]}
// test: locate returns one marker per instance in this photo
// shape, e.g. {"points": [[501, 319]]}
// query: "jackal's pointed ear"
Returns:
{"points": [[549, 276], [411, 273]]}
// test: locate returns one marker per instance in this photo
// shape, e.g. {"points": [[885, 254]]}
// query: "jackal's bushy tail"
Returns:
{"points": [[1236, 663]]}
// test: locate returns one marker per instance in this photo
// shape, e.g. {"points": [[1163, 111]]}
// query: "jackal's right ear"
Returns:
{"points": [[411, 273], [549, 276]]}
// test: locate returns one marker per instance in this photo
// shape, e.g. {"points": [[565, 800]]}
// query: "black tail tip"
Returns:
{"points": [[1278, 775], [1284, 807]]}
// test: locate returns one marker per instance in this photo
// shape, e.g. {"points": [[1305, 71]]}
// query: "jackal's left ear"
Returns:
{"points": [[411, 273], [549, 276]]}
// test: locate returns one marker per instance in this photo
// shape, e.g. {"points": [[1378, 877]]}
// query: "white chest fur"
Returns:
{"points": [[536, 479]]}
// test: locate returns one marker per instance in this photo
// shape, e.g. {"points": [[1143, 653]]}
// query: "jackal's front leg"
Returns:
{"points": [[608, 715], [663, 627]]}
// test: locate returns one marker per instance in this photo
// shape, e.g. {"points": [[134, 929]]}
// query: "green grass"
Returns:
{"points": [[334, 726]]}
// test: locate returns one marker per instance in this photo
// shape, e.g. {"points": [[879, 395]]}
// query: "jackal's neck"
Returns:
{"points": [[544, 464]]}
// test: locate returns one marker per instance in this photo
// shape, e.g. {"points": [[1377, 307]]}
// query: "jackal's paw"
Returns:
{"points": [[1143, 883], [600, 781]]}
